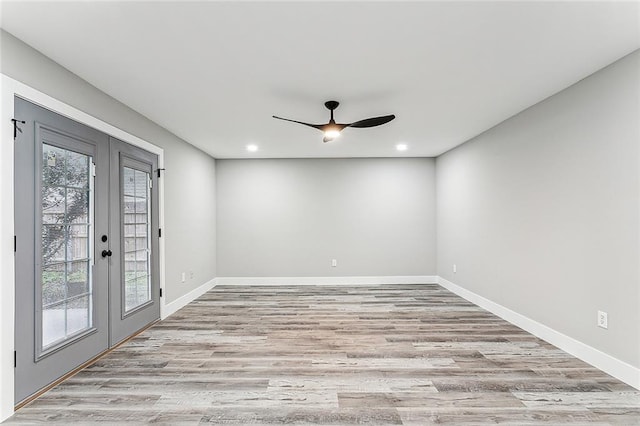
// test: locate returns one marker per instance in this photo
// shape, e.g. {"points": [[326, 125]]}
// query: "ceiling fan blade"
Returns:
{"points": [[372, 122], [315, 126]]}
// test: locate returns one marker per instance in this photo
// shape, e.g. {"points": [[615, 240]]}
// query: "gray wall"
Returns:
{"points": [[541, 213], [280, 218], [190, 175]]}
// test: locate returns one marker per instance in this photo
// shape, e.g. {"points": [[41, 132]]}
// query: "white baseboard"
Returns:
{"points": [[182, 301], [409, 279], [610, 365]]}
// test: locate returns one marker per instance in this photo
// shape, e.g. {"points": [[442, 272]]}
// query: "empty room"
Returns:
{"points": [[320, 212]]}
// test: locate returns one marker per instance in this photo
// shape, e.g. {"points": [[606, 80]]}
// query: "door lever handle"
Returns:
{"points": [[106, 253]]}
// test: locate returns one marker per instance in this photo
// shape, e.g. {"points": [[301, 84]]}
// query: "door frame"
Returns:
{"points": [[9, 88]]}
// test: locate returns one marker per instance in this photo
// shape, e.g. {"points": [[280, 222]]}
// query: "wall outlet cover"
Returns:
{"points": [[603, 319]]}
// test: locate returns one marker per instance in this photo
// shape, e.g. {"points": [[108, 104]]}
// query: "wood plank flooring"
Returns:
{"points": [[384, 354]]}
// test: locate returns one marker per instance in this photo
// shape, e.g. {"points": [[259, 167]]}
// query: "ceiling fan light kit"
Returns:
{"points": [[331, 130]]}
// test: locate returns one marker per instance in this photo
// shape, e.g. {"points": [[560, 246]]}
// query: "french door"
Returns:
{"points": [[86, 245], [133, 280]]}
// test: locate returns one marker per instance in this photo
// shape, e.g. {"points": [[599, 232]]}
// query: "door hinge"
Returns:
{"points": [[159, 172], [93, 169], [160, 292], [15, 243], [150, 183], [159, 232], [15, 359], [16, 129]]}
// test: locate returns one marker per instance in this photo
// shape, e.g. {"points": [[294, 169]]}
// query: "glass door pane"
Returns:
{"points": [[66, 295], [136, 205]]}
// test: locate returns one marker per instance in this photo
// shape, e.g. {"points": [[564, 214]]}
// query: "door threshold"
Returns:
{"points": [[79, 368]]}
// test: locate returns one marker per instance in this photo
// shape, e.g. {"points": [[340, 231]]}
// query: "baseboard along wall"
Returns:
{"points": [[169, 308], [408, 279]]}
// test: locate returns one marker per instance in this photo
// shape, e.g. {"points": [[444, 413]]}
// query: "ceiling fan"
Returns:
{"points": [[332, 129]]}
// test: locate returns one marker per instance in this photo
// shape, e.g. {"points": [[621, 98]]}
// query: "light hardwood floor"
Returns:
{"points": [[392, 354]]}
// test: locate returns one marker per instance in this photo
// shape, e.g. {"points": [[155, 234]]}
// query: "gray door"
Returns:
{"points": [[60, 214], [134, 283], [83, 220]]}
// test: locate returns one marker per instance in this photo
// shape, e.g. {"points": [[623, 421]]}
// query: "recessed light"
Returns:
{"points": [[252, 148], [402, 147]]}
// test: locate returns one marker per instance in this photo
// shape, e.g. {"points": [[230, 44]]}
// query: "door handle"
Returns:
{"points": [[106, 253]]}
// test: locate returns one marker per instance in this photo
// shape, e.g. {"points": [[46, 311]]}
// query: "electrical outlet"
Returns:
{"points": [[334, 263], [455, 268], [603, 319], [183, 276], [190, 275]]}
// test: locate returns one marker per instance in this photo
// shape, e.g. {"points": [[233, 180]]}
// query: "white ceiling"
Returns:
{"points": [[214, 73]]}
